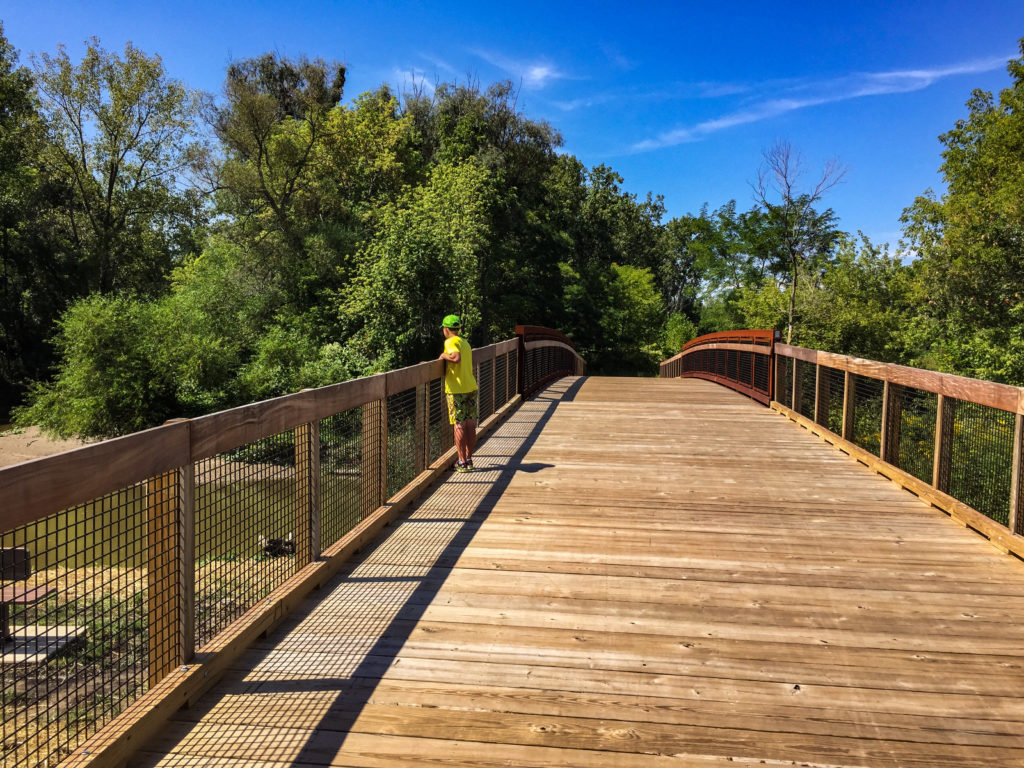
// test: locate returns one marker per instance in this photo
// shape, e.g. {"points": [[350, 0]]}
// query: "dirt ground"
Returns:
{"points": [[20, 445]]}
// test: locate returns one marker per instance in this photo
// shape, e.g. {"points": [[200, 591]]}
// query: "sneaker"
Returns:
{"points": [[469, 465], [461, 466]]}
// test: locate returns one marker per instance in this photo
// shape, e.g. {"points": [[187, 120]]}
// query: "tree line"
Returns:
{"points": [[166, 253]]}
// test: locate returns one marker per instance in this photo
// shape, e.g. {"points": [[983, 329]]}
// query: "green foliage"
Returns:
{"points": [[32, 263], [679, 329], [111, 382], [122, 145], [423, 263], [969, 243], [633, 321], [341, 234]]}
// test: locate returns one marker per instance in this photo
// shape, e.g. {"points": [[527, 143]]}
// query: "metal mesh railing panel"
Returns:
{"points": [[485, 390], [867, 413], [440, 437], [546, 364], [402, 442], [245, 529], [501, 390], [982, 459], [81, 649], [341, 459], [784, 381], [915, 449], [762, 372], [806, 373], [830, 399], [513, 372]]}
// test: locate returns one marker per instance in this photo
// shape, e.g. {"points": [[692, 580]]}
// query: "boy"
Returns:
{"points": [[460, 391]]}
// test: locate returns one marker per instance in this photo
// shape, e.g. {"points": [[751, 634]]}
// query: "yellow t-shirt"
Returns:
{"points": [[458, 377]]}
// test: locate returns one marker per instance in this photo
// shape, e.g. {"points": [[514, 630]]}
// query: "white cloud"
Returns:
{"points": [[414, 78], [439, 64], [534, 75], [815, 93], [616, 58]]}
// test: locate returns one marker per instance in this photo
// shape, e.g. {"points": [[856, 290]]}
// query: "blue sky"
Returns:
{"points": [[680, 98]]}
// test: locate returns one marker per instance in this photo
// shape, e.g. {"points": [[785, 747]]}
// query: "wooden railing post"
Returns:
{"points": [[521, 365], [942, 462], [778, 375], [422, 427], [821, 394], [797, 388], [849, 404], [374, 454], [494, 383], [892, 419], [1016, 521], [307, 493], [170, 569]]}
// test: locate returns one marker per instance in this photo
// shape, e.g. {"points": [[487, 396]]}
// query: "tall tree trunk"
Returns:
{"points": [[792, 305]]}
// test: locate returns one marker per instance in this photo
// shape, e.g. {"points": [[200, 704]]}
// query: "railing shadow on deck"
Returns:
{"points": [[466, 501], [172, 549]]}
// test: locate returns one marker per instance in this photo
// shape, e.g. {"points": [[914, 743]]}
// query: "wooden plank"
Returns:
{"points": [[227, 430], [733, 346], [413, 376], [798, 353], [548, 343], [483, 354], [37, 489]]}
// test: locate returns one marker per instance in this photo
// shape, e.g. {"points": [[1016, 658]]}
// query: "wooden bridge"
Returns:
{"points": [[641, 572]]}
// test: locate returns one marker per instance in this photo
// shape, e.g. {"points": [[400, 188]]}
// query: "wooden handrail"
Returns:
{"points": [[755, 379], [703, 357], [949, 390], [764, 338], [36, 489], [557, 357], [154, 473], [1002, 396]]}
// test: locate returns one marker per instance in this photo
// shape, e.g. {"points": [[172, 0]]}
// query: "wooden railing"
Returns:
{"points": [[168, 551], [954, 441], [740, 360], [546, 355]]}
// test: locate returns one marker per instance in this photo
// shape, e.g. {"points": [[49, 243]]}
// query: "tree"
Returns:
{"points": [[970, 243], [423, 263], [804, 236], [123, 144], [31, 273]]}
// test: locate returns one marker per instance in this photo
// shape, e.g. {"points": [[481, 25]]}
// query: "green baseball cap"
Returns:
{"points": [[451, 321]]}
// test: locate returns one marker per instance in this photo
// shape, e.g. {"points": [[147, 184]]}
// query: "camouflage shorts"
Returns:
{"points": [[462, 406]]}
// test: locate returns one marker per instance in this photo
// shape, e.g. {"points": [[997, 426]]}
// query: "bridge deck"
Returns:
{"points": [[644, 573]]}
